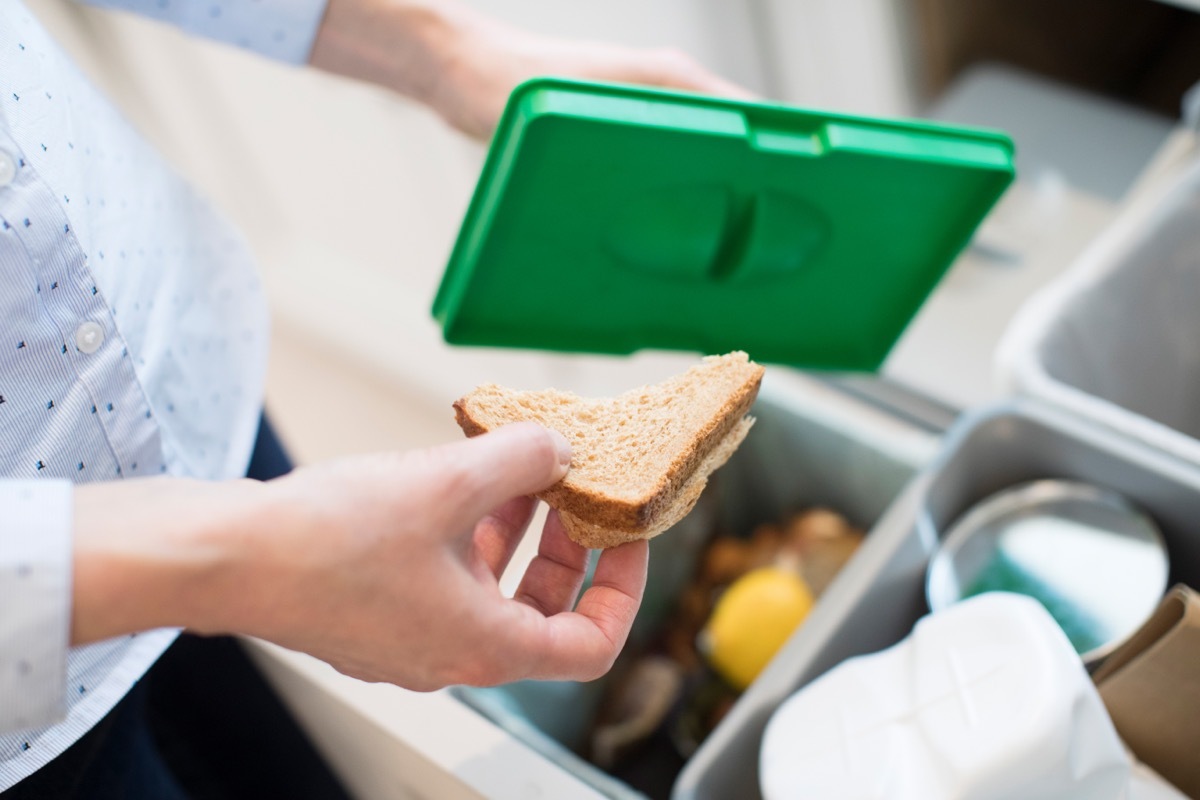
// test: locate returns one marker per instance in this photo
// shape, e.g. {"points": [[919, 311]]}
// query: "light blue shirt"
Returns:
{"points": [[133, 341]]}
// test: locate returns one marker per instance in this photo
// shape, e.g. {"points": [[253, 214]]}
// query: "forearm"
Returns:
{"points": [[162, 552]]}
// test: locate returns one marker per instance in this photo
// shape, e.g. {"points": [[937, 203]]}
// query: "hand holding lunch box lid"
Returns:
{"points": [[613, 218], [986, 699]]}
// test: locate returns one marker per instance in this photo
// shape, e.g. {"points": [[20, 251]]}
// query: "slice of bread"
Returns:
{"points": [[640, 460]]}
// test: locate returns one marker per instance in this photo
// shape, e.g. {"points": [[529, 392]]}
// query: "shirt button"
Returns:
{"points": [[88, 337], [8, 169]]}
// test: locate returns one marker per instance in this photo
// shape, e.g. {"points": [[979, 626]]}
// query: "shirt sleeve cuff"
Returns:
{"points": [[35, 601], [280, 29]]}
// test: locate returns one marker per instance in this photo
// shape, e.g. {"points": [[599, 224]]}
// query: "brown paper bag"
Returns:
{"points": [[1151, 686]]}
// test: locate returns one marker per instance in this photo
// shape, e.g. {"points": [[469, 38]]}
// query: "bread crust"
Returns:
{"points": [[605, 520], [598, 537]]}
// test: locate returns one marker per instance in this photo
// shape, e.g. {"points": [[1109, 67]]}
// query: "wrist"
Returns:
{"points": [[161, 552], [403, 45]]}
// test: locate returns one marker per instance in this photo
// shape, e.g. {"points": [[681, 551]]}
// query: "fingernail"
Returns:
{"points": [[562, 446]]}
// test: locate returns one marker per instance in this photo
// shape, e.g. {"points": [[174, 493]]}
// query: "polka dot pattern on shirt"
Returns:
{"points": [[288, 36]]}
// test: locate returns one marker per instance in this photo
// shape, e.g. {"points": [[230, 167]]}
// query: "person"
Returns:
{"points": [[132, 353]]}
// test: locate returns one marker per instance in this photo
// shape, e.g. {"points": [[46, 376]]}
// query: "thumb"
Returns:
{"points": [[514, 460]]}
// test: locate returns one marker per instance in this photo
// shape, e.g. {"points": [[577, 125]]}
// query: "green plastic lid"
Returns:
{"points": [[615, 218]]}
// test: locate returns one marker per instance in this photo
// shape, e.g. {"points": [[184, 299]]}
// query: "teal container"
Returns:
{"points": [[614, 218]]}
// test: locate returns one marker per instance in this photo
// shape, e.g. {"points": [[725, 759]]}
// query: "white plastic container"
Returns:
{"points": [[985, 699]]}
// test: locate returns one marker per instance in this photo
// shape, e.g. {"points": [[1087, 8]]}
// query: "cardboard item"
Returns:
{"points": [[1151, 688], [1146, 784]]}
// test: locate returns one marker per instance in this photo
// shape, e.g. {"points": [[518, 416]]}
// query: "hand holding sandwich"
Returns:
{"points": [[385, 566]]}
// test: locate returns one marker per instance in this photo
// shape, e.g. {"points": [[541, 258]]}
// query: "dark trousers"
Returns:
{"points": [[201, 724]]}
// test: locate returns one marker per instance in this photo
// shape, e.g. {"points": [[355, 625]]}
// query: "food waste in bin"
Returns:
{"points": [[746, 598]]}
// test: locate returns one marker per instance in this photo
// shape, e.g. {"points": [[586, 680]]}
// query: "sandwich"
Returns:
{"points": [[639, 460]]}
